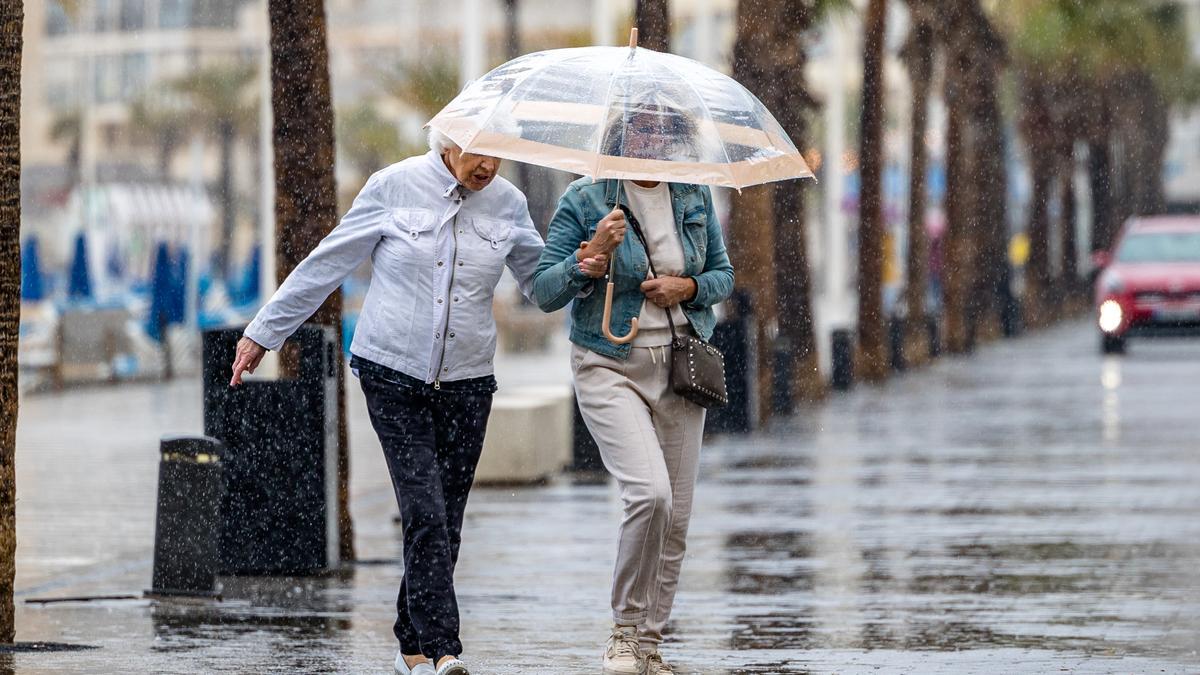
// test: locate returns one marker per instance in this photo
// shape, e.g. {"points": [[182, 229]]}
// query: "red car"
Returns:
{"points": [[1150, 284]]}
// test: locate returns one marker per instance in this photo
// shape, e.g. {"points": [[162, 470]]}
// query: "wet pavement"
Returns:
{"points": [[1033, 508]]}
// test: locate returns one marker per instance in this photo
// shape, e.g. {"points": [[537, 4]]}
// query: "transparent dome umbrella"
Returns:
{"points": [[626, 113]]}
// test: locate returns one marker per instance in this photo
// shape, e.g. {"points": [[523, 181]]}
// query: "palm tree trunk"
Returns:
{"points": [[11, 20], [1149, 128], [653, 21], [993, 291], [872, 361], [1070, 242], [793, 280], [918, 54], [305, 190], [957, 253], [1100, 181], [1037, 271], [752, 229]]}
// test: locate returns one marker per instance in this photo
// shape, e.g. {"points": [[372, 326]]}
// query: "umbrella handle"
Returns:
{"points": [[633, 323]]}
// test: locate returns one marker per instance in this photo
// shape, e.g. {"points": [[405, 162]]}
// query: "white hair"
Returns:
{"points": [[440, 143]]}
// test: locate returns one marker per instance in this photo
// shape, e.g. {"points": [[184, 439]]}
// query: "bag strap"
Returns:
{"points": [[649, 259]]}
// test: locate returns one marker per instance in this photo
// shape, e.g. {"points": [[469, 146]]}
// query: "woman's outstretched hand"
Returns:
{"points": [[249, 355]]}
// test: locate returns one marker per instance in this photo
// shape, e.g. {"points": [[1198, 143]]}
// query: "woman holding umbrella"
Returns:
{"points": [[649, 436], [651, 131]]}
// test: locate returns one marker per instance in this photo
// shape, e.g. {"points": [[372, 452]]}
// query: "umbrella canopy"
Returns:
{"points": [[617, 112]]}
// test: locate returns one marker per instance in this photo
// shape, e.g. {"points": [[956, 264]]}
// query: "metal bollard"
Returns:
{"points": [[896, 343], [843, 359], [190, 489]]}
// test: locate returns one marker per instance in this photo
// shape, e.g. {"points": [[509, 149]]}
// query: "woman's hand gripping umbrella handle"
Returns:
{"points": [[608, 298]]}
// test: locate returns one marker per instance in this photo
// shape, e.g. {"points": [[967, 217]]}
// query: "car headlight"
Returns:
{"points": [[1111, 315]]}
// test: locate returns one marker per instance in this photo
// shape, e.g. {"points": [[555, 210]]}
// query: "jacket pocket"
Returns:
{"points": [[492, 230], [413, 222], [695, 232]]}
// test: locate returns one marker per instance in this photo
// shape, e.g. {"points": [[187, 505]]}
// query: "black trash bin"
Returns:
{"points": [[280, 512], [190, 490]]}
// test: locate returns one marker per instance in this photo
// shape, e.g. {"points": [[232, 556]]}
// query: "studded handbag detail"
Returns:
{"points": [[697, 367]]}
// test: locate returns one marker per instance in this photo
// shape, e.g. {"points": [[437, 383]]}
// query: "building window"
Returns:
{"points": [[175, 14], [215, 14], [58, 22], [108, 78], [106, 16], [133, 14], [133, 76]]}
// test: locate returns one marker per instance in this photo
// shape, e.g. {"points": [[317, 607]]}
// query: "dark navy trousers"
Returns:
{"points": [[431, 439]]}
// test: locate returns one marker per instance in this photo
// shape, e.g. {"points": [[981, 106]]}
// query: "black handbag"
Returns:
{"points": [[697, 367]]}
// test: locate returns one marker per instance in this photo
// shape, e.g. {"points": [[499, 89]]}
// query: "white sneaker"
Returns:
{"points": [[622, 656], [656, 666], [453, 667], [402, 668]]}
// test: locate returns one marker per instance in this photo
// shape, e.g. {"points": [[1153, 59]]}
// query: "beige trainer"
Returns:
{"points": [[656, 666], [622, 656]]}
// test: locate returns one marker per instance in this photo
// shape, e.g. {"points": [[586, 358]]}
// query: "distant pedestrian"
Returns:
{"points": [[439, 229]]}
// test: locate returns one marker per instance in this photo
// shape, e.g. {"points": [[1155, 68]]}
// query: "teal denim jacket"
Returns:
{"points": [[559, 280]]}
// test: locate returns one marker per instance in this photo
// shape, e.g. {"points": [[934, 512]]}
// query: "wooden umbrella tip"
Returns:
{"points": [[633, 38]]}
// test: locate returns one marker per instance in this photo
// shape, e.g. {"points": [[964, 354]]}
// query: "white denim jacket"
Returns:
{"points": [[437, 252]]}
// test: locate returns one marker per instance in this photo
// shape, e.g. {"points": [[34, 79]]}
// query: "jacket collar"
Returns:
{"points": [[446, 180]]}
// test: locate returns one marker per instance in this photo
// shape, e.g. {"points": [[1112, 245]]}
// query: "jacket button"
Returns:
{"points": [[440, 263], [439, 301], [452, 336]]}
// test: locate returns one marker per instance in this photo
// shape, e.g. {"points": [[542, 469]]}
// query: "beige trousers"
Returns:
{"points": [[649, 439]]}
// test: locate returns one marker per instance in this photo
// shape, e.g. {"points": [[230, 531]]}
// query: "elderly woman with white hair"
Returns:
{"points": [[439, 228]]}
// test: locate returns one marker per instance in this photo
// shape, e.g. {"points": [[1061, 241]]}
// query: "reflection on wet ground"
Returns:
{"points": [[1031, 509], [991, 504]]}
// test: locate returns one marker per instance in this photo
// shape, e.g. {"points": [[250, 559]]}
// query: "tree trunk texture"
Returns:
{"points": [[1070, 284], [958, 246], [974, 271], [11, 21], [1100, 182], [306, 194], [1039, 306], [752, 226], [1040, 129], [872, 362], [653, 21], [990, 290], [918, 56], [1147, 127], [791, 103]]}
